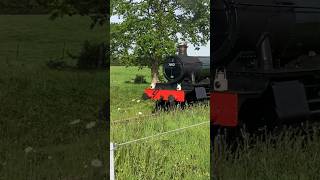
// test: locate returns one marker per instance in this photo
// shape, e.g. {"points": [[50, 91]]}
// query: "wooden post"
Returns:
{"points": [[112, 148], [17, 52], [64, 49], [101, 56]]}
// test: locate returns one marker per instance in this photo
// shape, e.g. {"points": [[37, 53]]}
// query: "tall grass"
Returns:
{"points": [[181, 155], [289, 155], [37, 137]]}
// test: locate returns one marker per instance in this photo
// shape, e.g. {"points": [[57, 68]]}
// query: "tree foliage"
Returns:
{"points": [[95, 9], [151, 29], [21, 7]]}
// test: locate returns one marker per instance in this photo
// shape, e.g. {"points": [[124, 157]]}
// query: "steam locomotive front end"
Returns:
{"points": [[265, 69], [187, 80], [173, 69]]}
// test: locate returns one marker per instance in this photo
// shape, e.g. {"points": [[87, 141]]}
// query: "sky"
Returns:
{"points": [[203, 51]]}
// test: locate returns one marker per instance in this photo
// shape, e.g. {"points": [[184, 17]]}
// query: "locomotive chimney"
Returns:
{"points": [[182, 49]]}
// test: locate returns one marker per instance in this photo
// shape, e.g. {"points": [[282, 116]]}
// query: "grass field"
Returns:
{"points": [[49, 120], [289, 155], [185, 155], [181, 155], [34, 38]]}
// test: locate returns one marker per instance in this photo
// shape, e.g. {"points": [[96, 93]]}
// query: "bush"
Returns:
{"points": [[139, 79], [92, 56], [56, 64]]}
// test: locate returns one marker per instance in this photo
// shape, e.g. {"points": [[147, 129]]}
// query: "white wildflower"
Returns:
{"points": [[119, 109], [75, 122], [28, 149], [133, 100], [96, 163], [91, 125], [138, 101], [140, 113]]}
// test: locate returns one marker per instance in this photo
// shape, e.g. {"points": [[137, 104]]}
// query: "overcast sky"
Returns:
{"points": [[203, 51]]}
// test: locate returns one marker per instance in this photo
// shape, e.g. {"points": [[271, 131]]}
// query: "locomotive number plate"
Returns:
{"points": [[171, 64]]}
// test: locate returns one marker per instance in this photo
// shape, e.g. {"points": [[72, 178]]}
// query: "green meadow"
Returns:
{"points": [[180, 155], [49, 119], [287, 155]]}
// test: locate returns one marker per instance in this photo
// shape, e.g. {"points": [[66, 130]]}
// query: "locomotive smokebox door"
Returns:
{"points": [[290, 100]]}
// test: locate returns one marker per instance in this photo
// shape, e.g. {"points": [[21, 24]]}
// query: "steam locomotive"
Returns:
{"points": [[265, 70], [187, 81]]}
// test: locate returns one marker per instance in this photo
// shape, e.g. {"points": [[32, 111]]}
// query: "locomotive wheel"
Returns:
{"points": [[160, 105], [171, 103]]}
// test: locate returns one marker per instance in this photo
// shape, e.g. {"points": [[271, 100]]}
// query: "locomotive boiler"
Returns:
{"points": [[265, 66], [187, 80]]}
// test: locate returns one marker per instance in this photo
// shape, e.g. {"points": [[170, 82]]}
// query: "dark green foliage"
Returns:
{"points": [[92, 56], [140, 79], [95, 9], [56, 64], [150, 30], [22, 7]]}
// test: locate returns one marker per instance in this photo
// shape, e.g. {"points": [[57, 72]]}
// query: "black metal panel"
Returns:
{"points": [[293, 26], [290, 100], [201, 93]]}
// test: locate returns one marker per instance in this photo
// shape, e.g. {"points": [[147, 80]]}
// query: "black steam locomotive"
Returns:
{"points": [[187, 81], [265, 70]]}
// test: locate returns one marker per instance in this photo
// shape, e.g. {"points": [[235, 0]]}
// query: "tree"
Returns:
{"points": [[21, 7], [150, 29], [95, 9]]}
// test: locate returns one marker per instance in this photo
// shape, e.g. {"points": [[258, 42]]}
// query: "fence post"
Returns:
{"points": [[112, 147], [64, 49], [17, 51]]}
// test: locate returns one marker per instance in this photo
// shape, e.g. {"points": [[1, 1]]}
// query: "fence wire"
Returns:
{"points": [[159, 134]]}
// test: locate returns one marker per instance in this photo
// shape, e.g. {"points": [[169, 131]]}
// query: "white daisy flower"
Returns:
{"points": [[90, 125], [96, 163], [28, 149], [75, 122]]}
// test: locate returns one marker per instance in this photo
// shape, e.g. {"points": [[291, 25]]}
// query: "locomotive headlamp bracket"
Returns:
{"points": [[179, 87], [220, 80]]}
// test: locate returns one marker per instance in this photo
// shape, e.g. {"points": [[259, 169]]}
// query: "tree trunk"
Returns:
{"points": [[155, 71]]}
